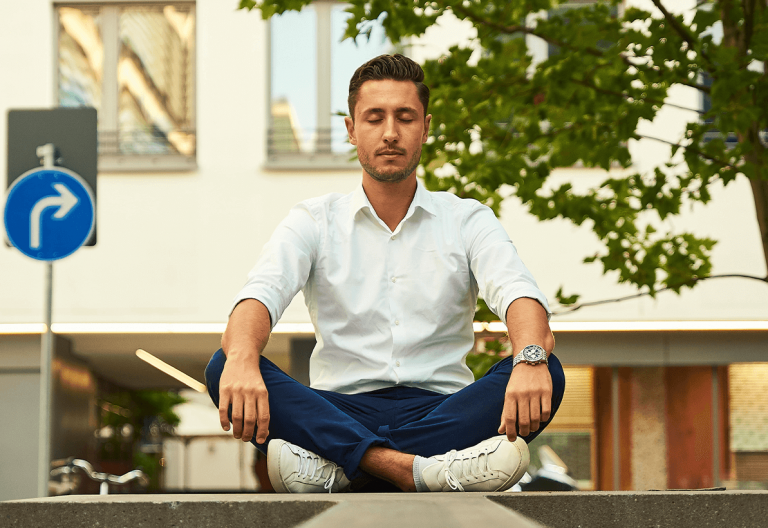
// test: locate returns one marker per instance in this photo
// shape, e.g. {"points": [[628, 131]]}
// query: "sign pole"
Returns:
{"points": [[46, 357], [49, 213], [47, 153]]}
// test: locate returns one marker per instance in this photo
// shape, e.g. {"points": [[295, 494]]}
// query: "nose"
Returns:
{"points": [[391, 134]]}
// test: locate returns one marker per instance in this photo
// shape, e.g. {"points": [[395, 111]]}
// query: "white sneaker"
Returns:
{"points": [[495, 464], [295, 470]]}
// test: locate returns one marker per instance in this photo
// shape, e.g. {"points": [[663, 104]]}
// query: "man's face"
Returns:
{"points": [[389, 129]]}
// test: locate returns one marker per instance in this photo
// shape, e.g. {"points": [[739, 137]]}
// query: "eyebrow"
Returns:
{"points": [[402, 109]]}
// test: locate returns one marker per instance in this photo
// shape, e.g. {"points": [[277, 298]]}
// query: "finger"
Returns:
{"points": [[262, 420], [224, 400], [523, 417], [546, 408], [535, 414], [503, 425], [510, 420], [249, 418], [237, 416]]}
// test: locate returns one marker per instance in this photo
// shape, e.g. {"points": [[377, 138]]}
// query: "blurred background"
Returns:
{"points": [[212, 123]]}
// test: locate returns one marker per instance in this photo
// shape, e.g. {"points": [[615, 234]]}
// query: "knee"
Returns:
{"points": [[558, 381], [213, 374]]}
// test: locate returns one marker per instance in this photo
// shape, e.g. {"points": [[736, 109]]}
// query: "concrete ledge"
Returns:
{"points": [[143, 511], [649, 509], [672, 509], [275, 511]]}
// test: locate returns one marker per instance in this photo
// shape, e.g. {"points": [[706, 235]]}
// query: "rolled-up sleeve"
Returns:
{"points": [[284, 264], [500, 273]]}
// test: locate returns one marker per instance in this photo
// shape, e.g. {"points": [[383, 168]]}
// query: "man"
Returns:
{"points": [[390, 275]]}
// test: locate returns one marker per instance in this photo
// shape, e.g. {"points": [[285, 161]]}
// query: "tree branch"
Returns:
{"points": [[579, 306], [627, 96], [675, 23], [532, 31], [679, 28], [523, 29], [627, 60], [692, 149]]}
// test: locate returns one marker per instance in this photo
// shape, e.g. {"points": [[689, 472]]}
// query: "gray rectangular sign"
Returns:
{"points": [[72, 130]]}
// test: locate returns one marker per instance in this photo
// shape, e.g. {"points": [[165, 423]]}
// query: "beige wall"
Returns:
{"points": [[176, 247], [19, 397]]}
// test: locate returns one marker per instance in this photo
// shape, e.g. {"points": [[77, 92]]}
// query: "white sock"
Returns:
{"points": [[417, 464]]}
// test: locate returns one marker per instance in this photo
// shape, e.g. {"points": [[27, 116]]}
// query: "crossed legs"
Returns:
{"points": [[380, 432]]}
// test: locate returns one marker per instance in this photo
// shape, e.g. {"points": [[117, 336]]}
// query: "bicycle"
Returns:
{"points": [[69, 468]]}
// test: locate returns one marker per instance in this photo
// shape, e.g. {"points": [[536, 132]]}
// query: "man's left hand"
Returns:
{"points": [[528, 400]]}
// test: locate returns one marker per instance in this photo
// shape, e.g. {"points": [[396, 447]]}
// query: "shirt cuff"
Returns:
{"points": [[536, 295], [263, 299]]}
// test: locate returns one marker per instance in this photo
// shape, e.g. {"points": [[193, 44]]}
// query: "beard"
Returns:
{"points": [[391, 175]]}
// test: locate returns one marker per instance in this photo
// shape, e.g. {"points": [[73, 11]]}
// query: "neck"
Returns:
{"points": [[390, 200]]}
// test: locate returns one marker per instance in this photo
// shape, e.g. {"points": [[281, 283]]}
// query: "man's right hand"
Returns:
{"points": [[242, 386]]}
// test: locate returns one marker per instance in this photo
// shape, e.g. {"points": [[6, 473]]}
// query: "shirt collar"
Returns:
{"points": [[422, 199]]}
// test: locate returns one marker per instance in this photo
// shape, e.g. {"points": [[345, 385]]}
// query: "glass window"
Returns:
{"points": [[572, 434], [135, 65], [294, 82], [748, 425], [347, 56], [154, 78], [310, 71], [81, 57]]}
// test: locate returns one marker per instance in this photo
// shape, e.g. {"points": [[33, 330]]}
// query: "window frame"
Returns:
{"points": [[317, 159], [109, 111]]}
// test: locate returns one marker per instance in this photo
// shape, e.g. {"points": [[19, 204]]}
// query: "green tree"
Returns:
{"points": [[502, 122], [137, 418]]}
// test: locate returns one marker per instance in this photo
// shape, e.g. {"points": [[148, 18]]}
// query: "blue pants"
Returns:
{"points": [[341, 427]]}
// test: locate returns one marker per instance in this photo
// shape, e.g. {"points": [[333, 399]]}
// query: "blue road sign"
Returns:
{"points": [[49, 213]]}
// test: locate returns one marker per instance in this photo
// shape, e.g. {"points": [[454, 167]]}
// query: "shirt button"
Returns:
{"points": [[394, 279], [397, 363], [397, 322], [394, 237]]}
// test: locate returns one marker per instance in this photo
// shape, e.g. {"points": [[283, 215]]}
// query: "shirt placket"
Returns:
{"points": [[396, 310]]}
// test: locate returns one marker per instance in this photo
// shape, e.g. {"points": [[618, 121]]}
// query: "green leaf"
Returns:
{"points": [[582, 107]]}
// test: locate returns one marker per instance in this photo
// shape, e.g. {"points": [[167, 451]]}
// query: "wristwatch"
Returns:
{"points": [[532, 354]]}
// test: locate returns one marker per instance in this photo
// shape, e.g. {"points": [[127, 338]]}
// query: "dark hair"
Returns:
{"points": [[395, 67]]}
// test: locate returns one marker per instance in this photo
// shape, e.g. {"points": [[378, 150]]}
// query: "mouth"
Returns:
{"points": [[390, 153]]}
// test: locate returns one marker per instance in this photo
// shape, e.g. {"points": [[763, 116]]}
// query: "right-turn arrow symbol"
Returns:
{"points": [[65, 202]]}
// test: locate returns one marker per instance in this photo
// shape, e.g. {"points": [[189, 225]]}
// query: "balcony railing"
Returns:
{"points": [[147, 150], [319, 148]]}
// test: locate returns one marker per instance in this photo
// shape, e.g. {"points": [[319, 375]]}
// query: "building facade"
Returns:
{"points": [[213, 123]]}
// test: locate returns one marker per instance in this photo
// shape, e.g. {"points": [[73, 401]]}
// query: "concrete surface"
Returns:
{"points": [[649, 509], [673, 509], [274, 511]]}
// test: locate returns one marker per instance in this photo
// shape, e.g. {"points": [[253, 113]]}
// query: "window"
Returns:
{"points": [[309, 80], [572, 434], [135, 64], [748, 426]]}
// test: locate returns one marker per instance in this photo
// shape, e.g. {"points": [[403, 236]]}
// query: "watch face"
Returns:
{"points": [[533, 353]]}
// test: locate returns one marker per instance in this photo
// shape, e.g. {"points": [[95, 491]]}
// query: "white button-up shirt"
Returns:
{"points": [[390, 307]]}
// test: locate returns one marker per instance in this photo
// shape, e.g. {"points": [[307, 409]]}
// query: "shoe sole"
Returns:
{"points": [[525, 459], [273, 465]]}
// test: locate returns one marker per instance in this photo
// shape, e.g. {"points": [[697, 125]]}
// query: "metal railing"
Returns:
{"points": [[285, 142], [145, 142]]}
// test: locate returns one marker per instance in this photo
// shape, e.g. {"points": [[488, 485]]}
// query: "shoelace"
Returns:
{"points": [[309, 461], [471, 471]]}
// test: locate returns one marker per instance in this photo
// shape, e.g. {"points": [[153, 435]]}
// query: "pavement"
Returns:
{"points": [[673, 509]]}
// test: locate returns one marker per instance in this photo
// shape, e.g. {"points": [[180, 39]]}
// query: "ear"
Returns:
{"points": [[427, 121], [351, 130]]}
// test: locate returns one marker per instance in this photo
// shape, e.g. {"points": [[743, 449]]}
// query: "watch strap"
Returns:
{"points": [[531, 354]]}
